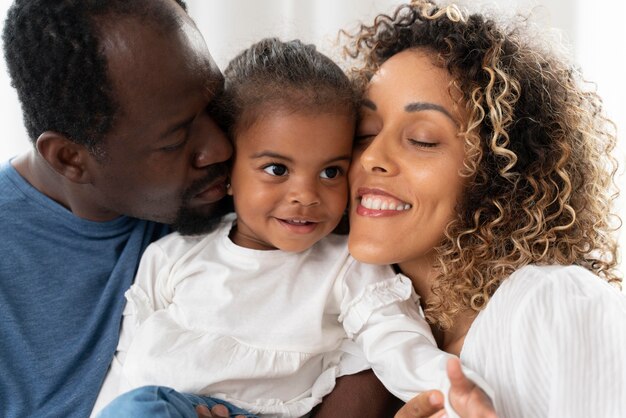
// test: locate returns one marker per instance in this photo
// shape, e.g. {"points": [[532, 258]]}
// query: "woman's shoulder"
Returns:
{"points": [[555, 281], [546, 326], [548, 296], [541, 295]]}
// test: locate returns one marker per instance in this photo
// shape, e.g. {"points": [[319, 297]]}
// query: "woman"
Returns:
{"points": [[483, 172]]}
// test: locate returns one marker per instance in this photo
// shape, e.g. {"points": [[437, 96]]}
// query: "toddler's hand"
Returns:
{"points": [[218, 411]]}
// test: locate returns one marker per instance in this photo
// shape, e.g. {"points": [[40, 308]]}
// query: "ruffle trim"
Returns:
{"points": [[298, 407], [375, 296], [138, 304]]}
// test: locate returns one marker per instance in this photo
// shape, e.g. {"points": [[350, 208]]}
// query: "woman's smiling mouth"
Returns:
{"points": [[374, 202]]}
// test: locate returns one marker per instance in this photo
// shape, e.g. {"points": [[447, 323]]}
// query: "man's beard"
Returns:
{"points": [[191, 222]]}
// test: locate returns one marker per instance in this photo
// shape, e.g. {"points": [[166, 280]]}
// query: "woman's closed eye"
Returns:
{"points": [[275, 169], [422, 143], [361, 140]]}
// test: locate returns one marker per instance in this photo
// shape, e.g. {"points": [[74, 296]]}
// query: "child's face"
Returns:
{"points": [[289, 179]]}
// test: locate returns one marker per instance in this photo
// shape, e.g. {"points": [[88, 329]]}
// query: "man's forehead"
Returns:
{"points": [[135, 49]]}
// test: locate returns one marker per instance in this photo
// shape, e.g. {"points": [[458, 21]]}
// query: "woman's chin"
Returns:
{"points": [[367, 251]]}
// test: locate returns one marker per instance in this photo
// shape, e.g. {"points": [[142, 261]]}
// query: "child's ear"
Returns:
{"points": [[65, 156]]}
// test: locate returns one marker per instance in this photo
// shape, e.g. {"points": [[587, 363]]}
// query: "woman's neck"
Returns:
{"points": [[422, 275]]}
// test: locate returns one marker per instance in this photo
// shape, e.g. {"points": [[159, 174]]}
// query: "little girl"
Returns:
{"points": [[268, 310]]}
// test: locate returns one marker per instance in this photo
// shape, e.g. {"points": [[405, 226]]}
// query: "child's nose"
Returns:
{"points": [[304, 193]]}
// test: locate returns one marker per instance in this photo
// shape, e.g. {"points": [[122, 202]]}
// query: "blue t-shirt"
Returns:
{"points": [[62, 284]]}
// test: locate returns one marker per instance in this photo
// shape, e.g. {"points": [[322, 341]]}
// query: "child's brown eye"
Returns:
{"points": [[331, 172], [275, 169]]}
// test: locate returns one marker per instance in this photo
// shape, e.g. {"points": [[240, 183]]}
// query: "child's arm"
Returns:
{"points": [[149, 293], [381, 315], [142, 300]]}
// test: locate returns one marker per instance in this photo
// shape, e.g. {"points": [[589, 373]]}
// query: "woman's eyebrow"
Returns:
{"points": [[420, 106], [369, 104]]}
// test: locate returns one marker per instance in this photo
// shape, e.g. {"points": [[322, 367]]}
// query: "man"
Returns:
{"points": [[117, 98]]}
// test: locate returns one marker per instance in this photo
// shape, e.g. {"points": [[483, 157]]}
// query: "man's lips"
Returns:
{"points": [[213, 192]]}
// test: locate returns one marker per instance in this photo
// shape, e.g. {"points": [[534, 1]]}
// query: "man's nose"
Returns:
{"points": [[213, 146]]}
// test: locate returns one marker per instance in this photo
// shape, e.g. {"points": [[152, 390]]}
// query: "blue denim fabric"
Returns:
{"points": [[163, 402]]}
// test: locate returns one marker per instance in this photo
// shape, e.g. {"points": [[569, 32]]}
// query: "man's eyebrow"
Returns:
{"points": [[420, 106]]}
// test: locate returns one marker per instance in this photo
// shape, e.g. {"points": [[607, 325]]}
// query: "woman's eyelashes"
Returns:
{"points": [[361, 140], [422, 143]]}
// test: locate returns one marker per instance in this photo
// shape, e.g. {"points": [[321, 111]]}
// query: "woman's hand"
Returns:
{"points": [[467, 399], [426, 404]]}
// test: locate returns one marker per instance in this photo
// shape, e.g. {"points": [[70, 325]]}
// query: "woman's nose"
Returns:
{"points": [[377, 156]]}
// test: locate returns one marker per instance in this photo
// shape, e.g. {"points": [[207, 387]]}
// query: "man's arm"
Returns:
{"points": [[358, 396]]}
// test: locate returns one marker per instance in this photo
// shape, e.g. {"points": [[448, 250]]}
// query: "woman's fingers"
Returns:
{"points": [[458, 381], [426, 404], [467, 398]]}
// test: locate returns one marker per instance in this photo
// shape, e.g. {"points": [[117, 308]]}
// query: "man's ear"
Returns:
{"points": [[65, 156]]}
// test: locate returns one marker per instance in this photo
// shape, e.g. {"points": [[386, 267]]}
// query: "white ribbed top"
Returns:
{"points": [[552, 343]]}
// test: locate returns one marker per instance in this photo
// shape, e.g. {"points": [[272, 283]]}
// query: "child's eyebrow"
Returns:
{"points": [[275, 155], [347, 158], [270, 154]]}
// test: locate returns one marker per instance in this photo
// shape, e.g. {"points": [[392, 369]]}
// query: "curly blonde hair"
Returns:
{"points": [[538, 153]]}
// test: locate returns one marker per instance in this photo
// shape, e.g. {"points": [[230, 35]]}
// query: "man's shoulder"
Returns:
{"points": [[7, 183]]}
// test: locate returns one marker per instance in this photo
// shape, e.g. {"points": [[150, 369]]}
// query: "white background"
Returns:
{"points": [[593, 30]]}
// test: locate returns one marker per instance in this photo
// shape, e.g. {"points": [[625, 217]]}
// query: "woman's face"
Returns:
{"points": [[405, 179]]}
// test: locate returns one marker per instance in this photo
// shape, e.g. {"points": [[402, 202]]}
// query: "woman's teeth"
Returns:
{"points": [[378, 203]]}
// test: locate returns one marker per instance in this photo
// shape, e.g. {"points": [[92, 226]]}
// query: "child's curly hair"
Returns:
{"points": [[538, 153]]}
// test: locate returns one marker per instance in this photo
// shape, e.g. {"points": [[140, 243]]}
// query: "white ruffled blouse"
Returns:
{"points": [[269, 331]]}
